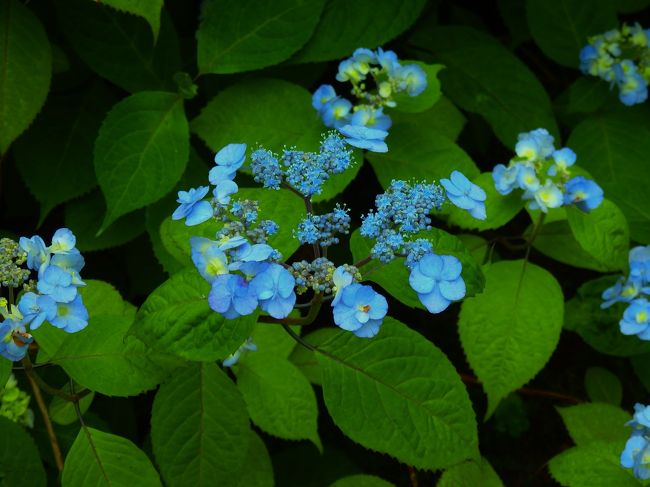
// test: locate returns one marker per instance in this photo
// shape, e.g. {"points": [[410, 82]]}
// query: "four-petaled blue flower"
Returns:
{"points": [[365, 138], [639, 259], [437, 280], [63, 241], [57, 283], [274, 290], [465, 194], [360, 309], [636, 456], [36, 309], [37, 254], [71, 317], [192, 206], [636, 319], [584, 193], [232, 296], [228, 160]]}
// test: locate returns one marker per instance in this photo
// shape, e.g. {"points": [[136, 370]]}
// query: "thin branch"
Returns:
{"points": [[52, 391]]}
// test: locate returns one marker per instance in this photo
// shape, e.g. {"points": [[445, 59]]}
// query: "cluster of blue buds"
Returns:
{"points": [[322, 229], [55, 297], [631, 290], [364, 123], [621, 57], [636, 454], [537, 160]]}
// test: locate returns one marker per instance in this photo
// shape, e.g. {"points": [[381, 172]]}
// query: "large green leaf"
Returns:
{"points": [[394, 276], [20, 461], [119, 46], [26, 63], [416, 152], [614, 148], [64, 412], [305, 359], [591, 422], [257, 470], [103, 459], [442, 118], [147, 9], [280, 399], [470, 474], [249, 34], [346, 26], [603, 386], [561, 27], [482, 76], [509, 332], [199, 428], [398, 394], [176, 318], [141, 151]]}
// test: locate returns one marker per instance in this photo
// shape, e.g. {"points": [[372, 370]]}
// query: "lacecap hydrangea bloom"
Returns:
{"points": [[622, 58], [364, 123], [633, 290], [544, 175], [636, 454]]}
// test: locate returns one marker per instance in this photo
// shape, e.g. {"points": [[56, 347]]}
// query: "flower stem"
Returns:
{"points": [[28, 367]]}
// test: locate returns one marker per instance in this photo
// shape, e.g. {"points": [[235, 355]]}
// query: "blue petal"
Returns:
{"points": [[451, 268], [453, 290], [201, 212], [434, 301], [421, 283], [368, 330]]}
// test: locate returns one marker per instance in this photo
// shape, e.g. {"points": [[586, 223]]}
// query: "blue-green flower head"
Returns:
{"points": [[322, 95], [534, 145], [71, 317], [547, 196], [36, 309], [527, 178], [365, 137], [208, 258], [584, 193], [563, 159], [624, 291], [371, 117], [37, 254], [636, 456], [336, 111], [465, 195], [192, 206], [63, 241], [274, 288], [360, 309], [437, 280], [505, 178], [56, 283], [641, 418], [636, 319], [232, 296], [411, 78], [387, 60], [633, 88], [639, 259], [72, 263]]}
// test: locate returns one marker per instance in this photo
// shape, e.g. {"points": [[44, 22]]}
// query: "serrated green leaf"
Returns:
{"points": [[345, 26], [612, 147], [279, 398], [176, 318], [305, 359], [595, 465], [147, 9], [103, 459], [561, 27], [416, 152], [257, 470], [417, 411], [119, 46], [442, 118], [603, 233], [470, 474], [199, 428], [20, 462], [603, 386], [63, 412], [509, 331], [247, 35], [591, 422], [426, 99], [361, 480], [141, 151], [483, 77], [26, 62], [273, 340]]}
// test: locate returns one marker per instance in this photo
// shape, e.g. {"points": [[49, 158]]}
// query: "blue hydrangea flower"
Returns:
{"points": [[641, 418], [588, 59], [563, 159], [224, 190], [228, 160], [341, 279], [335, 111], [534, 145], [322, 95], [387, 60], [527, 178], [624, 291], [437, 280], [411, 78], [584, 193], [208, 257], [36, 309], [274, 290], [633, 89], [639, 259], [636, 319], [232, 296], [13, 343], [71, 317], [547, 196], [233, 358], [505, 178], [37, 254], [465, 194], [370, 117], [250, 253], [72, 263], [360, 309], [192, 207], [636, 456], [63, 241], [57, 283], [365, 138]]}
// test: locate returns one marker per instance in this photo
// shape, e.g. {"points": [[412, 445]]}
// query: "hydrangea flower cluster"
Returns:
{"points": [[364, 123], [621, 57], [633, 291], [542, 172], [54, 298], [14, 404], [636, 454], [322, 229]]}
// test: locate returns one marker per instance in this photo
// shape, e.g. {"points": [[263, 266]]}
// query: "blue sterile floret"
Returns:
{"points": [[636, 454], [544, 175], [465, 195], [192, 207], [359, 309], [274, 289], [437, 281]]}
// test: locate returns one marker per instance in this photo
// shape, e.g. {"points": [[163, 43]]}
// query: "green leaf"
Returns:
{"points": [[104, 359], [500, 209], [199, 428], [20, 462], [26, 62], [603, 233], [509, 332], [470, 474], [443, 118], [591, 422], [247, 35], [279, 398], [63, 412], [398, 394], [345, 26], [561, 27], [416, 152], [273, 340], [176, 318], [603, 386], [305, 359], [141, 151], [267, 112], [361, 480], [62, 169], [426, 99], [394, 276], [82, 216], [147, 9], [612, 147], [595, 465], [102, 459], [119, 47], [483, 77], [257, 470], [585, 95]]}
